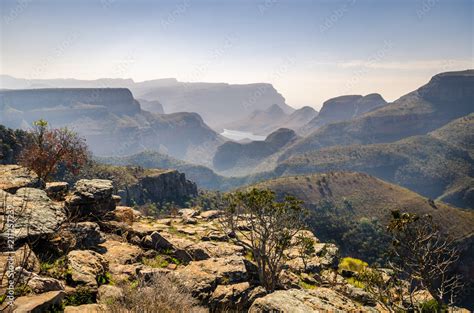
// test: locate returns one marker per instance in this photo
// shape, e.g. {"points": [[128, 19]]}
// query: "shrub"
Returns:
{"points": [[352, 264], [51, 148], [162, 294]]}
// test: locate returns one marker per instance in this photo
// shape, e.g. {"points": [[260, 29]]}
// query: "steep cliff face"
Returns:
{"points": [[110, 120], [232, 154], [344, 108], [159, 186]]}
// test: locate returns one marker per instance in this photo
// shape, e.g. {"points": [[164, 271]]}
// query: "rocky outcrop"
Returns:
{"points": [[86, 267], [91, 198], [35, 213], [304, 301], [57, 190], [159, 186], [344, 108], [38, 303], [14, 177]]}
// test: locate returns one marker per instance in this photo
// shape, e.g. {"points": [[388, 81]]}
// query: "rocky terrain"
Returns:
{"points": [[82, 265], [111, 121]]}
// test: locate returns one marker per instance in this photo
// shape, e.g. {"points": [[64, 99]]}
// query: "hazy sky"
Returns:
{"points": [[309, 50]]}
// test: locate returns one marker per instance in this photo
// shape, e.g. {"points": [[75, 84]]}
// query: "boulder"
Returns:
{"points": [[202, 277], [14, 177], [118, 252], [230, 297], [37, 283], [91, 198], [57, 190], [108, 293], [24, 257], [35, 213], [74, 236], [38, 303], [304, 301], [207, 249], [189, 213], [211, 214], [156, 241], [86, 266]]}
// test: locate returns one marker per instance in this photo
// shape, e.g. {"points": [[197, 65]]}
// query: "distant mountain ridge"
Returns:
{"points": [[111, 120], [217, 103], [264, 122], [344, 108]]}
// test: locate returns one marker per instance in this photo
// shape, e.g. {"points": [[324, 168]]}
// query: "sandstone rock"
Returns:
{"points": [[85, 266], [14, 177], [211, 214], [108, 293], [304, 301], [82, 235], [206, 249], [24, 257], [86, 308], [117, 252], [215, 236], [188, 213], [38, 303], [230, 297], [202, 277], [91, 198], [38, 284], [156, 241], [360, 296], [35, 213], [289, 280], [57, 190]]}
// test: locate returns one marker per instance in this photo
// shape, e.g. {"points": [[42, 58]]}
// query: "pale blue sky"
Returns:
{"points": [[310, 50]]}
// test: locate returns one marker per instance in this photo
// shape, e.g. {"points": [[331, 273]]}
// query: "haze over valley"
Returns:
{"points": [[267, 156]]}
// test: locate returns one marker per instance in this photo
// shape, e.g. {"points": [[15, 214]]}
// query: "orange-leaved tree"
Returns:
{"points": [[54, 147]]}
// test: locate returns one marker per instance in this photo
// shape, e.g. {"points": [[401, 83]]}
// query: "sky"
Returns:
{"points": [[309, 50]]}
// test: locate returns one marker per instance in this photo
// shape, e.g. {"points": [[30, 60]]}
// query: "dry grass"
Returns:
{"points": [[162, 294]]}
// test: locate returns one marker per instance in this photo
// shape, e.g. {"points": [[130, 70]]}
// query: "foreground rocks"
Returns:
{"points": [[305, 301], [14, 177], [35, 213], [92, 257]]}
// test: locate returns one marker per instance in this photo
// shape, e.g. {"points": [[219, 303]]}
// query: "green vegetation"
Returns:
{"points": [[352, 264], [271, 226], [81, 295], [156, 262], [305, 285]]}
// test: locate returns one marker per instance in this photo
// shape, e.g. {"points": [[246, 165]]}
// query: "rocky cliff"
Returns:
{"points": [[111, 121]]}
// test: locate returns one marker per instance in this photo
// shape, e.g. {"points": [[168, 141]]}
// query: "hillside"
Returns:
{"points": [[111, 121], [357, 204], [459, 132], [424, 164], [232, 155], [446, 97], [264, 122], [343, 108]]}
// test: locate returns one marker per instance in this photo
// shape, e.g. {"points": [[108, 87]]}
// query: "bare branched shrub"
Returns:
{"points": [[161, 294], [264, 227], [422, 258]]}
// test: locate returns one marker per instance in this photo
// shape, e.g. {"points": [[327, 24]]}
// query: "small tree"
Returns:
{"points": [[425, 257], [53, 147], [305, 248], [422, 258], [265, 227]]}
